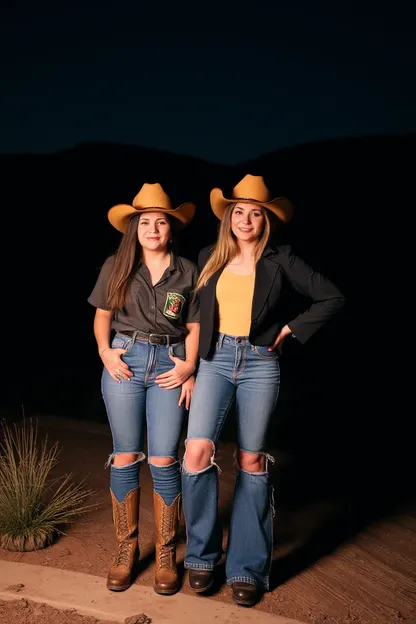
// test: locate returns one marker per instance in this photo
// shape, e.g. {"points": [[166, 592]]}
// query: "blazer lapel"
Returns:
{"points": [[266, 270]]}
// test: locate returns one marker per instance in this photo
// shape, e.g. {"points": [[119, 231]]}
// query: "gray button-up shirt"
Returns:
{"points": [[164, 308]]}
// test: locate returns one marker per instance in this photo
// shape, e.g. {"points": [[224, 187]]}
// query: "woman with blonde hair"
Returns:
{"points": [[242, 331]]}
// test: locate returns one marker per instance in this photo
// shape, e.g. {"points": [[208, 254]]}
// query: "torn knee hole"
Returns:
{"points": [[121, 459], [162, 462], [252, 462], [199, 455]]}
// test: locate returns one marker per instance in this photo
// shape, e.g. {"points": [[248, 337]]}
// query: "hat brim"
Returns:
{"points": [[281, 206], [120, 214]]}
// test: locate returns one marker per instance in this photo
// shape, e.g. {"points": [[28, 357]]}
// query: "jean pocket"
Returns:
{"points": [[121, 342], [264, 353], [178, 350]]}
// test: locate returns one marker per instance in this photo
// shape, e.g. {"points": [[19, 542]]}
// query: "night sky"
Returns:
{"points": [[225, 85]]}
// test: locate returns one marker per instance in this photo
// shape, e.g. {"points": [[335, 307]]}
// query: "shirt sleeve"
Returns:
{"points": [[193, 303], [98, 296], [326, 297]]}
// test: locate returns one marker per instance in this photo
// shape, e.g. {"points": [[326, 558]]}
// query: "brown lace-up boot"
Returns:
{"points": [[126, 519], [166, 523]]}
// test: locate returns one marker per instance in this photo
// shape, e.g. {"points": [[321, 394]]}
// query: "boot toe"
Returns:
{"points": [[166, 588], [200, 580], [114, 584], [245, 594]]}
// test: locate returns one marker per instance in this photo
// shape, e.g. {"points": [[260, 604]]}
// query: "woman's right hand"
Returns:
{"points": [[115, 366]]}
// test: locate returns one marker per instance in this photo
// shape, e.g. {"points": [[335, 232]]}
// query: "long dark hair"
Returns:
{"points": [[126, 261]]}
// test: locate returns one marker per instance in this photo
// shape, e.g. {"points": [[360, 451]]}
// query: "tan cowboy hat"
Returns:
{"points": [[150, 198], [251, 190]]}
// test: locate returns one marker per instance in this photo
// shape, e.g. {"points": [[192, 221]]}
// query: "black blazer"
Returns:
{"points": [[276, 268]]}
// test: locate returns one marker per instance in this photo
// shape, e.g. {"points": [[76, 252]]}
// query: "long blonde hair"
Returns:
{"points": [[226, 247]]}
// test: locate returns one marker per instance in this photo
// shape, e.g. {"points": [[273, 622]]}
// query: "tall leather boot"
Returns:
{"points": [[126, 524], [166, 523]]}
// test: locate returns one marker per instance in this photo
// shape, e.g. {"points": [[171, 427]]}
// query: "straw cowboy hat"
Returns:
{"points": [[150, 198], [251, 190]]}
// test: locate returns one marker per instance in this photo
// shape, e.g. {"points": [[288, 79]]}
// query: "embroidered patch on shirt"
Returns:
{"points": [[173, 305]]}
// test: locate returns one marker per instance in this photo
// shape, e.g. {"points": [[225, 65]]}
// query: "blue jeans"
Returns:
{"points": [[132, 404], [251, 375]]}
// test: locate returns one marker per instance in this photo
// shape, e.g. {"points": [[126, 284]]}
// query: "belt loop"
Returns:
{"points": [[167, 340], [221, 340], [133, 338]]}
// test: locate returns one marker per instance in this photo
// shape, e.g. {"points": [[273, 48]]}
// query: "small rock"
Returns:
{"points": [[65, 552], [39, 609], [71, 610], [138, 619], [24, 603], [15, 588]]}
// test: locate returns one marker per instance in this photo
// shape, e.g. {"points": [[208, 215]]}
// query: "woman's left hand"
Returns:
{"points": [[187, 390], [278, 343], [177, 375]]}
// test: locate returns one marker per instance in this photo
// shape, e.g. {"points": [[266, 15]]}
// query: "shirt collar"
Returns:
{"points": [[174, 265]]}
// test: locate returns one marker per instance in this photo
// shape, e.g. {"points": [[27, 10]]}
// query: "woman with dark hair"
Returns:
{"points": [[243, 328], [145, 293]]}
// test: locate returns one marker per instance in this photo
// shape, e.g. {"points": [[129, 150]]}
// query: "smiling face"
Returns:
{"points": [[247, 222], [154, 231]]}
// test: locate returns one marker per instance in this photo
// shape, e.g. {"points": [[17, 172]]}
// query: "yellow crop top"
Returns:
{"points": [[234, 300]]}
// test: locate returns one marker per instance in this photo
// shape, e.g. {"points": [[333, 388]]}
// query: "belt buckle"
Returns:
{"points": [[152, 341]]}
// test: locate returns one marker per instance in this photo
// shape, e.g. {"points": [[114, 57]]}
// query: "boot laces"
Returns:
{"points": [[166, 554], [123, 554], [167, 524], [166, 551]]}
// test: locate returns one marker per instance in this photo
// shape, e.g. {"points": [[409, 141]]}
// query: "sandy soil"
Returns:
{"points": [[27, 612], [327, 569]]}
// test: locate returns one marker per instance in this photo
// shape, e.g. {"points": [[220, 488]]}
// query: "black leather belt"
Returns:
{"points": [[158, 339]]}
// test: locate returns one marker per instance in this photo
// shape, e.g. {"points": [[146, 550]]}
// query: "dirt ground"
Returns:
{"points": [[328, 568], [27, 612]]}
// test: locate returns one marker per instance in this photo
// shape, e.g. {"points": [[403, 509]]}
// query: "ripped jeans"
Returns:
{"points": [[131, 405], [251, 375]]}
